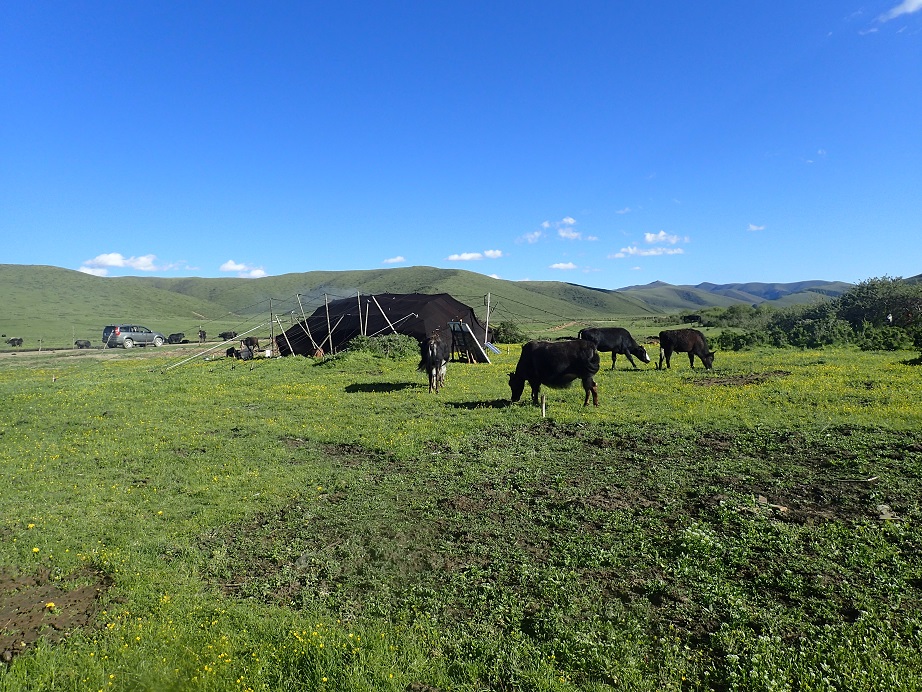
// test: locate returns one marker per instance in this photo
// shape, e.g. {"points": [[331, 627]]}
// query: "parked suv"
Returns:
{"points": [[130, 335]]}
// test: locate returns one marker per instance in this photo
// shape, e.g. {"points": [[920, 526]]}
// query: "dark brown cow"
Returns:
{"points": [[434, 353], [689, 341], [556, 364], [617, 340], [82, 343]]}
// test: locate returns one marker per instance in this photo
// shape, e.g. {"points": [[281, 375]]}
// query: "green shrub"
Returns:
{"points": [[509, 333], [884, 338], [730, 340], [387, 345]]}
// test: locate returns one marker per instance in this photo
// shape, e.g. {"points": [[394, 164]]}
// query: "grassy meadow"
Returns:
{"points": [[292, 524]]}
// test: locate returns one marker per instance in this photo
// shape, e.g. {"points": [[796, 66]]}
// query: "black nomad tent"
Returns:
{"points": [[333, 325]]}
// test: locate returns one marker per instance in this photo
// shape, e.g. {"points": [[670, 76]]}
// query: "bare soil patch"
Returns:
{"points": [[741, 380], [34, 607]]}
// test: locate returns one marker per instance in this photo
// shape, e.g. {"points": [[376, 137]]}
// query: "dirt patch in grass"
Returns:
{"points": [[562, 521], [740, 380], [34, 607]]}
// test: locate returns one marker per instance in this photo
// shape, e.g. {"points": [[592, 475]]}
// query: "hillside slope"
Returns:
{"points": [[57, 305], [54, 306], [521, 301], [669, 297], [51, 306]]}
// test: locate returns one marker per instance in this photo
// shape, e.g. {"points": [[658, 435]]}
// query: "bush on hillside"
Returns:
{"points": [[884, 338], [730, 340], [394, 346], [508, 333]]}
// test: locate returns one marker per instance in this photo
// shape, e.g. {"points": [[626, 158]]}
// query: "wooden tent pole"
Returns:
{"points": [[330, 335], [486, 329], [326, 303], [303, 316], [282, 329], [307, 330], [271, 329], [383, 315]]}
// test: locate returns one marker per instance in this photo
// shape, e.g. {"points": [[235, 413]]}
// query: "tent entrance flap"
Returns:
{"points": [[465, 343]]}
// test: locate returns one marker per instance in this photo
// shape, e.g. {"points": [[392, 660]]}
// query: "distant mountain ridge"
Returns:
{"points": [[683, 297], [55, 306]]}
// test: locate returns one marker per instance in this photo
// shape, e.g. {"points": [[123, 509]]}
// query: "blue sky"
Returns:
{"points": [[601, 143]]}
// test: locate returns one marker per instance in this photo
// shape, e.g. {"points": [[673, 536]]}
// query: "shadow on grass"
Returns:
{"points": [[913, 361], [381, 387], [471, 405]]}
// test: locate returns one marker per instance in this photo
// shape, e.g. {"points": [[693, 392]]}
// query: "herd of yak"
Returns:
{"points": [[558, 363], [554, 364]]}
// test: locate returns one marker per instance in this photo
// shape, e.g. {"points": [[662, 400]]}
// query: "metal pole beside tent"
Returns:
{"points": [[326, 302], [271, 330], [290, 349], [303, 316], [486, 329], [384, 315], [330, 334]]}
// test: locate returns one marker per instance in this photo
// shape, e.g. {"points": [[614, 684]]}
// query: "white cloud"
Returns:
{"points": [[395, 260], [471, 256], [94, 271], [243, 271], [565, 228], [662, 237], [905, 7], [533, 237], [100, 265], [753, 227], [563, 265], [626, 210], [568, 233], [635, 251]]}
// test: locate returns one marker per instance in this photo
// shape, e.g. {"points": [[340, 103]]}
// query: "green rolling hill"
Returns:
{"points": [[668, 297], [54, 306]]}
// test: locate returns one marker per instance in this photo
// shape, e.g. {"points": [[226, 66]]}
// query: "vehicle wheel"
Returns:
{"points": [[158, 342], [128, 343]]}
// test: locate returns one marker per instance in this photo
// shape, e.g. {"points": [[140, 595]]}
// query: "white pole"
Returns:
{"points": [[329, 329], [282, 329], [384, 315]]}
